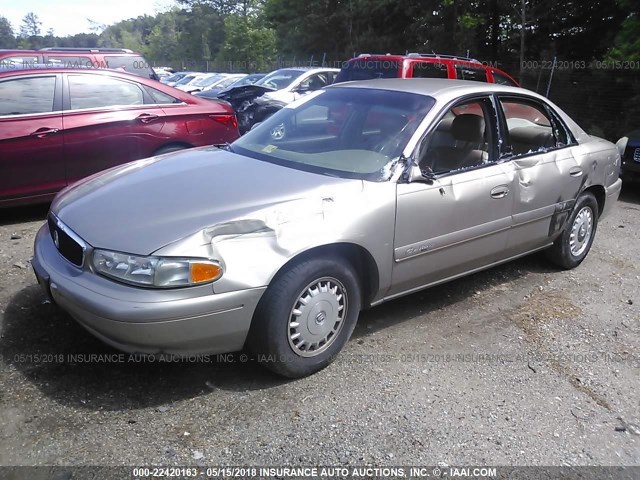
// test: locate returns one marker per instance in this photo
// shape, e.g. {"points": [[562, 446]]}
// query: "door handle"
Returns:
{"points": [[44, 132], [500, 191], [147, 117], [575, 172]]}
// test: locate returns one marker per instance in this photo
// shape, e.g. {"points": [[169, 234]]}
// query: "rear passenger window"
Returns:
{"points": [[467, 72], [530, 129], [93, 91], [26, 96], [161, 97], [429, 70]]}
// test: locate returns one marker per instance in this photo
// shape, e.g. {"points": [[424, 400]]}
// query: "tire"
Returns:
{"points": [[169, 149], [573, 245], [305, 317]]}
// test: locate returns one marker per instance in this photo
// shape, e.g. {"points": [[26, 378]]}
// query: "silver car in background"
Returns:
{"points": [[354, 195]]}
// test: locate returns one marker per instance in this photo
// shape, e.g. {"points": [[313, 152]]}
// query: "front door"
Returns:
{"points": [[31, 157], [460, 222]]}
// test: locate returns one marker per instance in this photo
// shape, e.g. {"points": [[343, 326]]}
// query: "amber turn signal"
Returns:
{"points": [[205, 272]]}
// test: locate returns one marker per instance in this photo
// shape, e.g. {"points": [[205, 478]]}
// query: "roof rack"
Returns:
{"points": [[436, 55], [87, 50]]}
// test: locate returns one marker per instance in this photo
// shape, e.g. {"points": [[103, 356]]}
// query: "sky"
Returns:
{"points": [[68, 17]]}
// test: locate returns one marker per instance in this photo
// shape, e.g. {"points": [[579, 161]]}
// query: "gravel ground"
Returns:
{"points": [[519, 365]]}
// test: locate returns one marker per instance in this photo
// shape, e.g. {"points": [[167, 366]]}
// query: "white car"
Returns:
{"points": [[292, 83]]}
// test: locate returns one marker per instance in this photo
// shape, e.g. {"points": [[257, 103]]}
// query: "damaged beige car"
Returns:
{"points": [[355, 195]]}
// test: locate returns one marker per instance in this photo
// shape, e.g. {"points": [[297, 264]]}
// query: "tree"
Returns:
{"points": [[30, 26], [7, 38], [626, 45], [249, 46]]}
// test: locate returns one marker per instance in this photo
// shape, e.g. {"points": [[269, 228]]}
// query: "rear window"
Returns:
{"points": [[501, 79], [21, 61], [369, 69], [467, 72], [131, 64], [429, 70], [68, 61]]}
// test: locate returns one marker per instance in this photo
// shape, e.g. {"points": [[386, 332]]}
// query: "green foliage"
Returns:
{"points": [[7, 38], [30, 26], [249, 46], [627, 42]]}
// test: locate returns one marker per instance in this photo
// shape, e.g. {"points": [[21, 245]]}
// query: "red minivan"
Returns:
{"points": [[58, 125], [421, 65]]}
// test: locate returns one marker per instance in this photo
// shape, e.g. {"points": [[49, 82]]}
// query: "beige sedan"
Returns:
{"points": [[352, 196]]}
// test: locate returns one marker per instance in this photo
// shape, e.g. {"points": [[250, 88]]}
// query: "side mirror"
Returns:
{"points": [[420, 175]]}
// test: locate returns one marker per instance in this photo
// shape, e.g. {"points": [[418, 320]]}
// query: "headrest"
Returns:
{"points": [[468, 128]]}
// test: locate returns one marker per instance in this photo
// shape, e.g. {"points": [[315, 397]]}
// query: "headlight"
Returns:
{"points": [[161, 272]]}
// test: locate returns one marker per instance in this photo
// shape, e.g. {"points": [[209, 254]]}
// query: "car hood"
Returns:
{"points": [[245, 93], [145, 205]]}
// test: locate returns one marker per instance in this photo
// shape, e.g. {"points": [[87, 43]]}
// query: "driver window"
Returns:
{"points": [[461, 140]]}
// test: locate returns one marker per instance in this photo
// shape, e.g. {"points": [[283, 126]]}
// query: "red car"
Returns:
{"points": [[58, 125], [421, 65]]}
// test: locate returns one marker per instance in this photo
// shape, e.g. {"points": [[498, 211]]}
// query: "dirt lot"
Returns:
{"points": [[519, 365]]}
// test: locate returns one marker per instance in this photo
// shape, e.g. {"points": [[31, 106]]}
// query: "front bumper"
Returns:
{"points": [[188, 321]]}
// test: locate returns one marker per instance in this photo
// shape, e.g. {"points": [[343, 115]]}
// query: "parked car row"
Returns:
{"points": [[281, 87]]}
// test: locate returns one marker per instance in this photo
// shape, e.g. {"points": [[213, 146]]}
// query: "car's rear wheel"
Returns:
{"points": [[305, 317], [571, 248]]}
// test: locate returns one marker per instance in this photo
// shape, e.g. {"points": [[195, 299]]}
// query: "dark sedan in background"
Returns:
{"points": [[59, 125], [629, 147]]}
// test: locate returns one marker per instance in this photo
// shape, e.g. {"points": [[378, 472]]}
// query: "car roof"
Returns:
{"points": [[447, 90], [436, 87], [85, 70]]}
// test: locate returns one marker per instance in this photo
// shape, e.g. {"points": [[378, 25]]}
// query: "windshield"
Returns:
{"points": [[206, 81], [248, 80], [280, 79], [368, 69], [174, 77], [344, 132], [186, 79]]}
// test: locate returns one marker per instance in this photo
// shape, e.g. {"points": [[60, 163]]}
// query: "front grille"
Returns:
{"points": [[68, 243], [636, 155]]}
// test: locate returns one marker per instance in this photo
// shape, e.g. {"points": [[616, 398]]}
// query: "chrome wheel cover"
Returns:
{"points": [[317, 317], [581, 231]]}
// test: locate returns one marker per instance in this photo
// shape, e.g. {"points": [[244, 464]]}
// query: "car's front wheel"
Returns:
{"points": [[305, 317], [570, 249]]}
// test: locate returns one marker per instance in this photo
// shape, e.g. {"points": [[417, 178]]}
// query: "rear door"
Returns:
{"points": [[544, 161], [107, 121], [31, 156]]}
